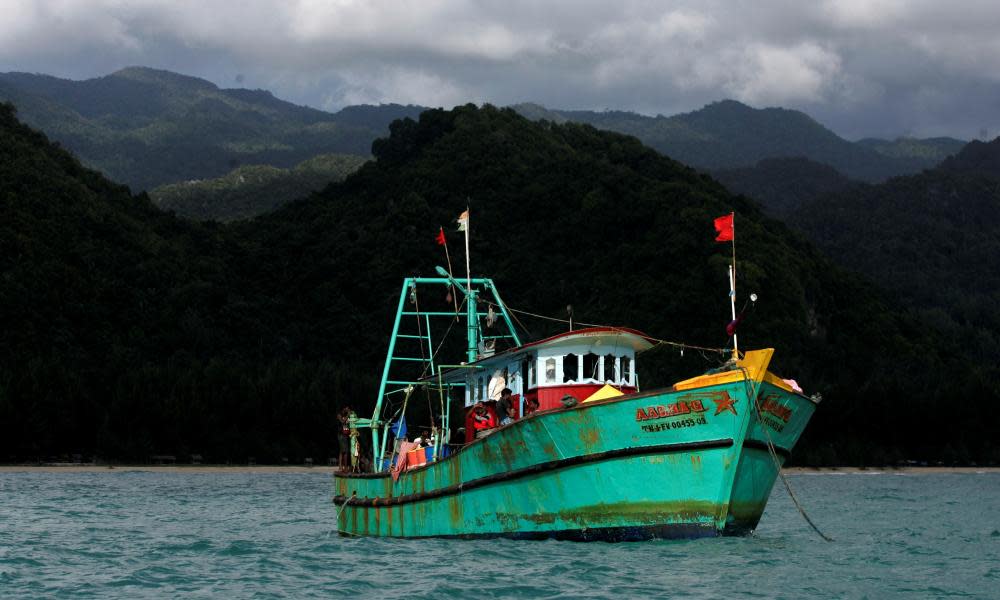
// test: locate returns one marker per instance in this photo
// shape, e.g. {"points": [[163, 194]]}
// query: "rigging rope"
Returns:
{"points": [[423, 357], [659, 342]]}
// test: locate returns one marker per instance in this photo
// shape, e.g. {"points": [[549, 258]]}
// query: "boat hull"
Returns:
{"points": [[687, 461]]}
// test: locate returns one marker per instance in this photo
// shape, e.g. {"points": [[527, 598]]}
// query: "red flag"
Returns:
{"points": [[724, 227], [440, 238]]}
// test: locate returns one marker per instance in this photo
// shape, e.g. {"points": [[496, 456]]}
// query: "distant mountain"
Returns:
{"points": [[146, 127], [129, 332], [782, 185], [251, 190], [728, 134]]}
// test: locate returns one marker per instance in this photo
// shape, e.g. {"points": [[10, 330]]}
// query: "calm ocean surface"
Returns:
{"points": [[121, 534]]}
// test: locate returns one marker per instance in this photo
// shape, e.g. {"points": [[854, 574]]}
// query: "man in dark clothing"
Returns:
{"points": [[344, 439], [505, 407]]}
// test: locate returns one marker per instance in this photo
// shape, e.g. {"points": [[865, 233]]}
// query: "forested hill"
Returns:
{"points": [[782, 185], [729, 134], [250, 190], [131, 333], [976, 158], [146, 127], [932, 240]]}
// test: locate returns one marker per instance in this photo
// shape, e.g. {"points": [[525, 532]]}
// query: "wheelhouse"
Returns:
{"points": [[576, 363]]}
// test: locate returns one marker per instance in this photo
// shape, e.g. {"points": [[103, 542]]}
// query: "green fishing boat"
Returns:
{"points": [[561, 441]]}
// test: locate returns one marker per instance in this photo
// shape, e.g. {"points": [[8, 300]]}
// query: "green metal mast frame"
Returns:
{"points": [[389, 385]]}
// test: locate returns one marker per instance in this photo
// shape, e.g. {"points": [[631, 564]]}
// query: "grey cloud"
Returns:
{"points": [[862, 68]]}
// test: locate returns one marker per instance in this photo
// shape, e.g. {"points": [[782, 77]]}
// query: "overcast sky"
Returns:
{"points": [[860, 67]]}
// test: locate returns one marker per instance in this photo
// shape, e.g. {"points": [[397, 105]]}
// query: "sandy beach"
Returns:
{"points": [[892, 470], [89, 468]]}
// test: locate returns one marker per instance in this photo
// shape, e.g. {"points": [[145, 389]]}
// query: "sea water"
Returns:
{"points": [[133, 534]]}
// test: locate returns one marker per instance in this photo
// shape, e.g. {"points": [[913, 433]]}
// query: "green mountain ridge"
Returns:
{"points": [[250, 190], [131, 332], [729, 134], [146, 127]]}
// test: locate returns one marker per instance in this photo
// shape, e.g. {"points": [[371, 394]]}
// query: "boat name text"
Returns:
{"points": [[771, 405], [670, 410]]}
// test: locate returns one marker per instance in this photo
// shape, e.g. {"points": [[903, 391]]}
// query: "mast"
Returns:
{"points": [[471, 313], [732, 304], [463, 225], [732, 289]]}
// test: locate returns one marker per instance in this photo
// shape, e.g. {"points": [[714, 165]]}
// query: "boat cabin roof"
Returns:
{"points": [[621, 338]]}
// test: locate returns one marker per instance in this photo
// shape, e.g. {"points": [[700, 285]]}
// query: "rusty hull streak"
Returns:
{"points": [[456, 512], [590, 437]]}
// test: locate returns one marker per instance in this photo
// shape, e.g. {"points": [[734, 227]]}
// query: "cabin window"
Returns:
{"points": [[482, 389], [529, 368], [474, 390], [610, 368], [591, 366], [626, 370], [550, 370], [570, 368]]}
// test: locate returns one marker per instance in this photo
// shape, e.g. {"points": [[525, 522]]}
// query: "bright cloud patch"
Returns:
{"points": [[776, 75]]}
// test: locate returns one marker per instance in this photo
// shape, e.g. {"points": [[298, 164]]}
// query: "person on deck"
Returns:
{"points": [[505, 407], [344, 439], [424, 440], [440, 430], [355, 442], [483, 420], [530, 406]]}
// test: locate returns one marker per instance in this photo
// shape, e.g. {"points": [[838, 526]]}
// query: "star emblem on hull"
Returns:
{"points": [[724, 402]]}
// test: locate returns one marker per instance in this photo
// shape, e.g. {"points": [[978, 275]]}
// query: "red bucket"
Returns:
{"points": [[416, 458]]}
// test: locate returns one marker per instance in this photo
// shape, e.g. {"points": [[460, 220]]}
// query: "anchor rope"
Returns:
{"points": [[336, 519], [774, 455]]}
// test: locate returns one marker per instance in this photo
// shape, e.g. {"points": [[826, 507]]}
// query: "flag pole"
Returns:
{"points": [[468, 271], [732, 289]]}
